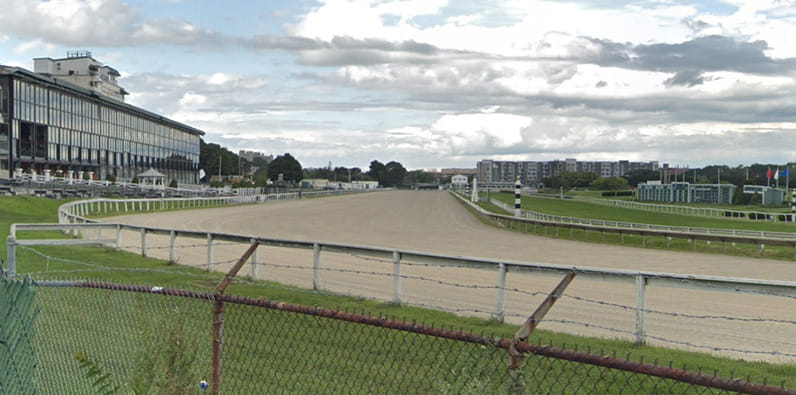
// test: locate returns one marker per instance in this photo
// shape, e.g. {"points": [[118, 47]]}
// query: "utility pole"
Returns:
{"points": [[719, 184], [219, 165]]}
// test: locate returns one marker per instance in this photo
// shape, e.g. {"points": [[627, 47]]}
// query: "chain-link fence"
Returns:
{"points": [[17, 357], [93, 337]]}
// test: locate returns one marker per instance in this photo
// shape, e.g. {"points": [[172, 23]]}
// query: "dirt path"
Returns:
{"points": [[432, 221]]}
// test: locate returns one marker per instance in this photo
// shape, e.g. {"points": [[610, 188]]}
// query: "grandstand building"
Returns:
{"points": [[684, 192], [70, 117]]}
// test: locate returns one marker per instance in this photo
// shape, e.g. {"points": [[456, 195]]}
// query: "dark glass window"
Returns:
{"points": [[41, 141], [26, 139]]}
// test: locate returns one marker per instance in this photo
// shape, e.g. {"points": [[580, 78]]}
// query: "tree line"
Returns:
{"points": [[217, 160]]}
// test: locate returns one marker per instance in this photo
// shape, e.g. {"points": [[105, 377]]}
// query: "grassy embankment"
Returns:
{"points": [[584, 209], [122, 267]]}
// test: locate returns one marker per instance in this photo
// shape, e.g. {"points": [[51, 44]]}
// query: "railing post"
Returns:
{"points": [[316, 267], [396, 276], [255, 269], [500, 306], [641, 284], [118, 237], [209, 252], [11, 256], [143, 241], [172, 246]]}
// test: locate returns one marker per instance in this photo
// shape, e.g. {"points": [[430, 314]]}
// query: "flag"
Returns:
{"points": [[768, 173], [776, 174], [783, 173]]}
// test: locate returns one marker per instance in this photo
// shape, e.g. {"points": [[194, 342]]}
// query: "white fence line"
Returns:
{"points": [[765, 237], [692, 211], [73, 219]]}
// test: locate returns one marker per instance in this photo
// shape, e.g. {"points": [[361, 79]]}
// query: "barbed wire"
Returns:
{"points": [[462, 310], [679, 315]]}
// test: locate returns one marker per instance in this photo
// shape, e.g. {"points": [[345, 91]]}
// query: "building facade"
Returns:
{"points": [[51, 125], [505, 173], [683, 192]]}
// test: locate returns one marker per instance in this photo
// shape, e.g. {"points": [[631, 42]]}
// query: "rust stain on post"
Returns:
{"points": [[530, 324], [235, 269]]}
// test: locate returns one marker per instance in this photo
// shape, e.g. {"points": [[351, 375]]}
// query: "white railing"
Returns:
{"points": [[692, 211], [369, 258], [150, 241], [618, 225], [79, 211]]}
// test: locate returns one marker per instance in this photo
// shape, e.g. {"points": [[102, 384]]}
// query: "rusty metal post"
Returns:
{"points": [[218, 317], [530, 324]]}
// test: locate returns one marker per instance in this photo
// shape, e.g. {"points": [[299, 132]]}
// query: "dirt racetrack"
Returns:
{"points": [[432, 221]]}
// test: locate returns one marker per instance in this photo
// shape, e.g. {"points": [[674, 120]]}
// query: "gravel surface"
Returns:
{"points": [[433, 221]]}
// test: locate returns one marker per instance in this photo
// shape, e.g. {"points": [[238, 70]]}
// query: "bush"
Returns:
{"points": [[173, 183]]}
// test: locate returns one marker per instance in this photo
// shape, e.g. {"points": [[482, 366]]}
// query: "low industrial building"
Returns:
{"points": [[69, 117], [684, 192]]}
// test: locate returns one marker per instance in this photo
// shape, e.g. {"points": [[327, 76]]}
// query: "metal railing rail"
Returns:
{"points": [[75, 223], [758, 238], [686, 210]]}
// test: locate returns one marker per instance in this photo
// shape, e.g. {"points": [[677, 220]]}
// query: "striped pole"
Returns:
{"points": [[793, 206], [517, 196]]}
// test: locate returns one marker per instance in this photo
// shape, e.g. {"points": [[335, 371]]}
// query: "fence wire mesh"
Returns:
{"points": [[151, 340]]}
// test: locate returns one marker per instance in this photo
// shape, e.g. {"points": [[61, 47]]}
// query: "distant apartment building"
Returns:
{"points": [[684, 192], [531, 173], [251, 155]]}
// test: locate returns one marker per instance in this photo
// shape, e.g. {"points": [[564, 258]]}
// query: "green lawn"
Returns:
{"points": [[75, 322], [584, 209]]}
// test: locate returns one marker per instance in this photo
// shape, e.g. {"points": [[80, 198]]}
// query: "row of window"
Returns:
{"points": [[40, 105]]}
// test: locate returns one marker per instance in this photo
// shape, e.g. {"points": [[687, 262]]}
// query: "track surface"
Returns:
{"points": [[432, 221]]}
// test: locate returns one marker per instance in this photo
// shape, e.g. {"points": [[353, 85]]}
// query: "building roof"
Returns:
{"points": [[20, 72], [151, 173]]}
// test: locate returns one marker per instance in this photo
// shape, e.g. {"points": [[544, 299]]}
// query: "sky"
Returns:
{"points": [[440, 84]]}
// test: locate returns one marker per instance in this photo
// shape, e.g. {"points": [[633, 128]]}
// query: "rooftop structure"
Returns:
{"points": [[81, 69]]}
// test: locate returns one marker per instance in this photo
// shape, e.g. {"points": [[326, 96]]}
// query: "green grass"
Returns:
{"points": [[583, 209], [85, 321]]}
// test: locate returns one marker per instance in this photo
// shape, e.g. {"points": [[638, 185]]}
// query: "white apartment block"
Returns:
{"points": [[531, 173]]}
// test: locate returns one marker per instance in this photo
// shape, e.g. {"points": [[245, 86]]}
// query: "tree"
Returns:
{"points": [[394, 174], [376, 171], [419, 176], [636, 176], [261, 177], [209, 155], [609, 183], [288, 166]]}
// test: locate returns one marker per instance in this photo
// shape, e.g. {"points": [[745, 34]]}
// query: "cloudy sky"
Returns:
{"points": [[436, 83]]}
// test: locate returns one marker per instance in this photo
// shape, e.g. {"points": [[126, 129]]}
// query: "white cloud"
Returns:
{"points": [[37, 46]]}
